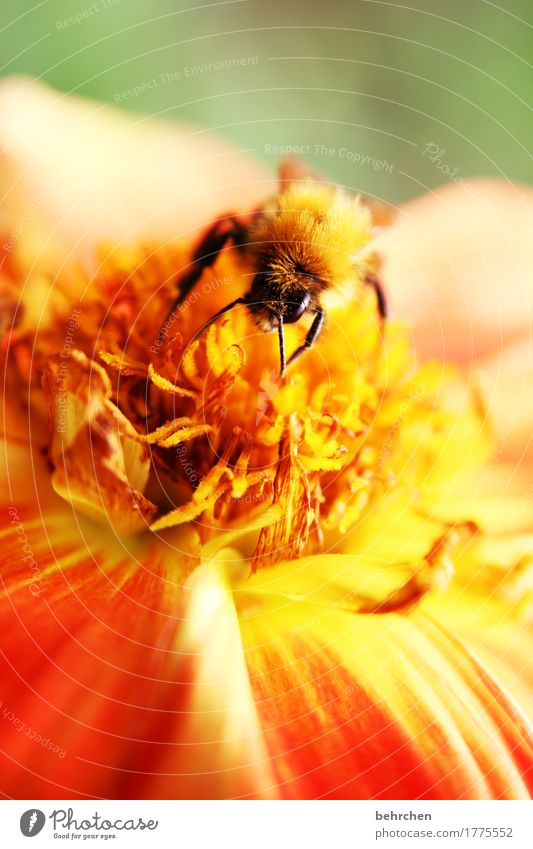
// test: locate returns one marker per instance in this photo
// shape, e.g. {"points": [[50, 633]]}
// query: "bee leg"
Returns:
{"points": [[376, 284], [206, 253], [312, 335]]}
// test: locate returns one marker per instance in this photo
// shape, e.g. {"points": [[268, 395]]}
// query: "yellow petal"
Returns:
{"points": [[506, 379], [217, 742]]}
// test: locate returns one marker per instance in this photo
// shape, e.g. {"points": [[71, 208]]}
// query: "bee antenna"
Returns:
{"points": [[217, 315], [281, 346]]}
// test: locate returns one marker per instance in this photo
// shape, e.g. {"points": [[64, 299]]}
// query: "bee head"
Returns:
{"points": [[273, 306], [270, 303]]}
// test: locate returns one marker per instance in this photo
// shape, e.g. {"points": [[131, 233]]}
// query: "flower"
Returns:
{"points": [[217, 584]]}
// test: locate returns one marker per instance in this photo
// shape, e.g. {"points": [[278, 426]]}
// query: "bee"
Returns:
{"points": [[311, 250]]}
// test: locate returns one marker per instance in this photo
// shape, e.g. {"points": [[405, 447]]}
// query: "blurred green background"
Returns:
{"points": [[385, 97]]}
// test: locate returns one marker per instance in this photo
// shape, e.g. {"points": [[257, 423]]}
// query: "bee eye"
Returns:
{"points": [[295, 306]]}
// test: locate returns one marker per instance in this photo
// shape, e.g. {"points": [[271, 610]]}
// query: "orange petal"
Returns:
{"points": [[384, 707], [459, 265], [101, 467], [126, 679], [79, 172], [121, 677]]}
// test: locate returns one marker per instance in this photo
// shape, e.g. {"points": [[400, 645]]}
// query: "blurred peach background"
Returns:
{"points": [[389, 98]]}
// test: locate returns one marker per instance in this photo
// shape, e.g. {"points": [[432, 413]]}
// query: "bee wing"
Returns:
{"points": [[294, 169], [383, 214]]}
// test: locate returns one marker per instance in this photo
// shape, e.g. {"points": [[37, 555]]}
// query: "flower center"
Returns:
{"points": [[157, 426]]}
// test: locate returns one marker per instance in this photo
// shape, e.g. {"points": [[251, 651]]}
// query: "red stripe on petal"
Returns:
{"points": [[119, 682], [383, 707]]}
